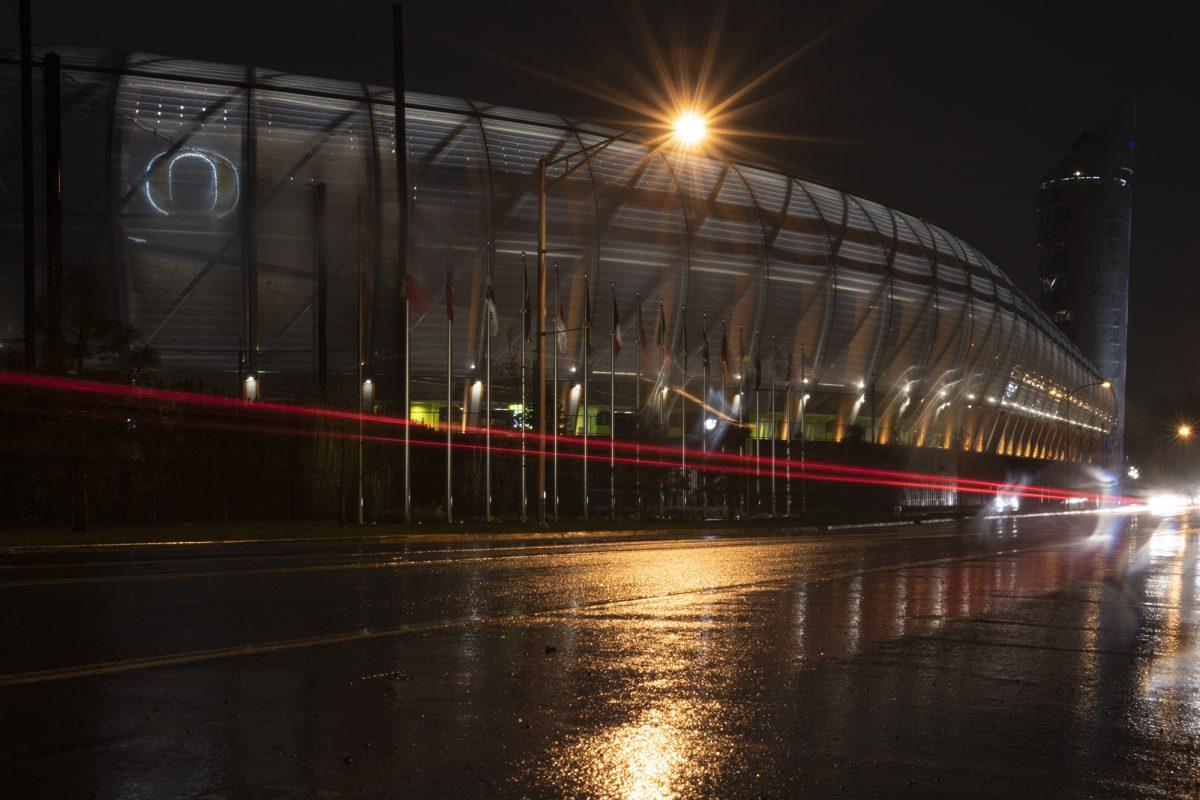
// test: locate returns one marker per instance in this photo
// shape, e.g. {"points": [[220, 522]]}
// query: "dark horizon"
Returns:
{"points": [[985, 99]]}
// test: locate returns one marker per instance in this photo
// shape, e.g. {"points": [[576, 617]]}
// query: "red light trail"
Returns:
{"points": [[706, 460]]}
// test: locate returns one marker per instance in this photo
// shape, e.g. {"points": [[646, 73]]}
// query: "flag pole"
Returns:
{"points": [[683, 496], [449, 382], [661, 340], [487, 397], [541, 344], [407, 415], [789, 416], [757, 346], [724, 405], [612, 409], [742, 384], [554, 351], [637, 405], [803, 433], [704, 417], [587, 346], [360, 360], [401, 153], [524, 405], [774, 423]]}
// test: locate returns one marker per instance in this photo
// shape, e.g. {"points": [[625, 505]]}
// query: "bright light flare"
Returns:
{"points": [[1184, 431], [1006, 502], [690, 129], [1167, 504]]}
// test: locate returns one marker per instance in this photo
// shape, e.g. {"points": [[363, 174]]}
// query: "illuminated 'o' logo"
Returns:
{"points": [[192, 183]]}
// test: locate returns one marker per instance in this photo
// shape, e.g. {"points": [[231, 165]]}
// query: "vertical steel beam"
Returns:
{"points": [[119, 287], [322, 258], [250, 228], [400, 151], [541, 343], [27, 220], [52, 113], [360, 355], [375, 173]]}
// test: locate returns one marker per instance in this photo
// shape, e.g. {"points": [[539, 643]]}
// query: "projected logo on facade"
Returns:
{"points": [[192, 183]]}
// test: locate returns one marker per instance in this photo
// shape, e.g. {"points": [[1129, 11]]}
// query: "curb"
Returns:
{"points": [[559, 537]]}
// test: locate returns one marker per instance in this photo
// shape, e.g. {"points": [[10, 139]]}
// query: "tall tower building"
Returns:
{"points": [[1085, 207]]}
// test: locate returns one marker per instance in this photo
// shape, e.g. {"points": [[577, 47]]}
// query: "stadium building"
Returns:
{"points": [[245, 222]]}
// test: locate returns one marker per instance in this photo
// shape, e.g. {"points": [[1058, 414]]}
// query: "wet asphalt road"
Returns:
{"points": [[1031, 657]]}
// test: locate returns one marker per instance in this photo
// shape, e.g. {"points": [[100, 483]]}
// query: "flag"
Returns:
{"points": [[415, 294], [616, 325], [724, 353], [489, 300], [791, 374], [587, 313], [560, 330], [525, 315], [660, 327], [704, 352], [449, 290]]}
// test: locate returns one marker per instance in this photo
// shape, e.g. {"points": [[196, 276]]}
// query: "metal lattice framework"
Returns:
{"points": [[192, 205]]}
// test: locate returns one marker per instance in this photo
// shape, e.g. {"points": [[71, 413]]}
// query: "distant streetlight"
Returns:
{"points": [[1184, 431], [1070, 399]]}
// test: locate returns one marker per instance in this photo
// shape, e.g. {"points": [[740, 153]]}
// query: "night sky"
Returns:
{"points": [[949, 110]]}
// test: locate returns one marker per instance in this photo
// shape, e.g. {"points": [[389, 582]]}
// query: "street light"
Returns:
{"points": [[1104, 384], [689, 130], [1184, 431]]}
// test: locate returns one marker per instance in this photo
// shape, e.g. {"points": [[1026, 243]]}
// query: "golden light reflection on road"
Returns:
{"points": [[664, 752]]}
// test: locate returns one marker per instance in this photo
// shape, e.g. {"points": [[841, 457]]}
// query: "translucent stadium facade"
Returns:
{"points": [[193, 212]]}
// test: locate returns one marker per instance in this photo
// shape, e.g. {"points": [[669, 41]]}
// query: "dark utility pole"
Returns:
{"points": [[401, 153], [322, 254], [250, 233], [541, 346], [27, 188], [52, 114]]}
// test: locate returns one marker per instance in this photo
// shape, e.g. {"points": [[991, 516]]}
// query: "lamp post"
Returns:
{"points": [[1104, 384], [689, 130]]}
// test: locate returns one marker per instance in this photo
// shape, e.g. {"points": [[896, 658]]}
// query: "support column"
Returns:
{"points": [[27, 221], [250, 230], [322, 258], [541, 344], [51, 87], [400, 150]]}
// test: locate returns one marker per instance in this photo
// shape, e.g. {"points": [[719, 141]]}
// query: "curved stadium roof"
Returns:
{"points": [[169, 163]]}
